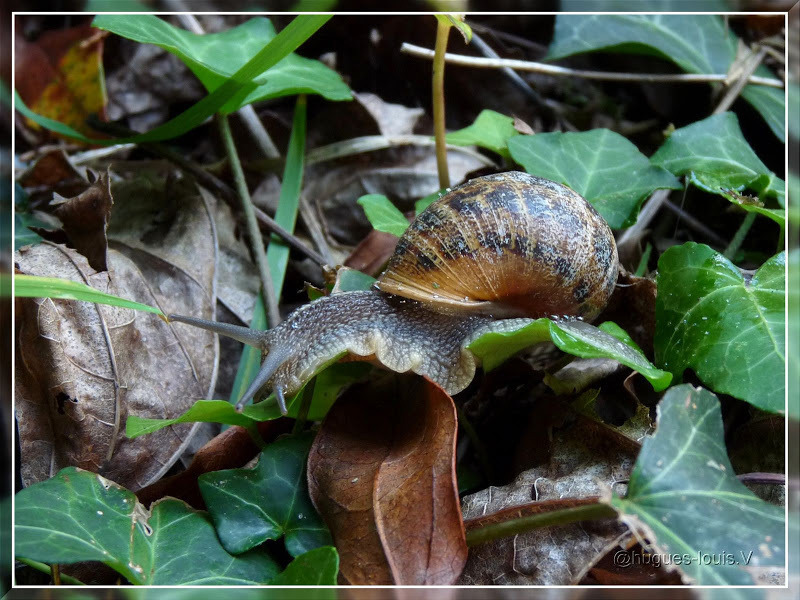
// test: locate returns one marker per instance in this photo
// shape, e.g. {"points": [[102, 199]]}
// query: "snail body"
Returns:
{"points": [[488, 253]]}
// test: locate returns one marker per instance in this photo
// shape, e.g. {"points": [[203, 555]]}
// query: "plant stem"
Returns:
{"points": [[305, 404], [739, 236], [256, 241], [511, 527], [442, 32], [55, 572], [34, 564], [525, 65]]}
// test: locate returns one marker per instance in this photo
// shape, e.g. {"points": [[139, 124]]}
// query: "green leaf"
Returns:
{"points": [[684, 496], [729, 331], [215, 57], [716, 157], [353, 280], [316, 567], [382, 214], [571, 336], [330, 381], [24, 236], [267, 502], [78, 516], [602, 166], [491, 130], [32, 286], [238, 85], [202, 411], [696, 43]]}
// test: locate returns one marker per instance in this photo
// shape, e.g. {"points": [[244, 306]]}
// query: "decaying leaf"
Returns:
{"points": [[61, 75], [82, 368], [582, 465], [381, 473]]}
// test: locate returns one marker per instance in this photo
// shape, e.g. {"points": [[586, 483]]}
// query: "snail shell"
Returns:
{"points": [[485, 254], [507, 245]]}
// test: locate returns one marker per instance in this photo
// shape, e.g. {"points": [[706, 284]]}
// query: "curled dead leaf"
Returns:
{"points": [[381, 473]]}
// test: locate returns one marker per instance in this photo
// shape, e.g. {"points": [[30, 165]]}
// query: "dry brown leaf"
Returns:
{"points": [[82, 368], [381, 473], [582, 465], [85, 219], [53, 172], [372, 253]]}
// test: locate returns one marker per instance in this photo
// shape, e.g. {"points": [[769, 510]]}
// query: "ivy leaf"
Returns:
{"points": [[382, 214], [728, 330], [215, 57], [490, 130], [78, 516], [316, 567], [601, 165], [684, 497], [271, 500], [716, 157], [573, 337], [696, 43]]}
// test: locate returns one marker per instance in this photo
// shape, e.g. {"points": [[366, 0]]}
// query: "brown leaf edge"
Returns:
{"points": [[381, 472]]}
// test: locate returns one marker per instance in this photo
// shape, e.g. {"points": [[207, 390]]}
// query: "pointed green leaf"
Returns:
{"points": [[383, 215], [33, 286], [684, 497], [571, 336], [267, 502], [490, 130]]}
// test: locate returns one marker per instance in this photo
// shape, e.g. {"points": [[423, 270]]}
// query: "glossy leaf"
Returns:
{"points": [[728, 330], [602, 166], [316, 567], [383, 215], [78, 516], [237, 86], [491, 130], [215, 57], [573, 337], [32, 286], [685, 498], [266, 502], [696, 43], [716, 157]]}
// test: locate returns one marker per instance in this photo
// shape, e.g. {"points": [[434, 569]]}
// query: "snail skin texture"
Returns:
{"points": [[490, 255]]}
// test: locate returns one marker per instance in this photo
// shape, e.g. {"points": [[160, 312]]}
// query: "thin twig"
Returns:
{"points": [[748, 68], [256, 241], [524, 65], [646, 215], [774, 478], [439, 132], [511, 527]]}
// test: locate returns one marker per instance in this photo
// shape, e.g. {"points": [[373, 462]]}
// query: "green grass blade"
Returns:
{"points": [[31, 286], [277, 252]]}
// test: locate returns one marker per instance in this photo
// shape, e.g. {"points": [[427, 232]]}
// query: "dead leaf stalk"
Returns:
{"points": [[495, 531], [256, 241], [524, 65]]}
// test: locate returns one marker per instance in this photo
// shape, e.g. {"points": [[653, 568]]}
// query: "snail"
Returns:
{"points": [[488, 253]]}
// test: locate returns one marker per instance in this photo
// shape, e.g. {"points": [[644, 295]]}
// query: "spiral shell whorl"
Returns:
{"points": [[507, 245]]}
